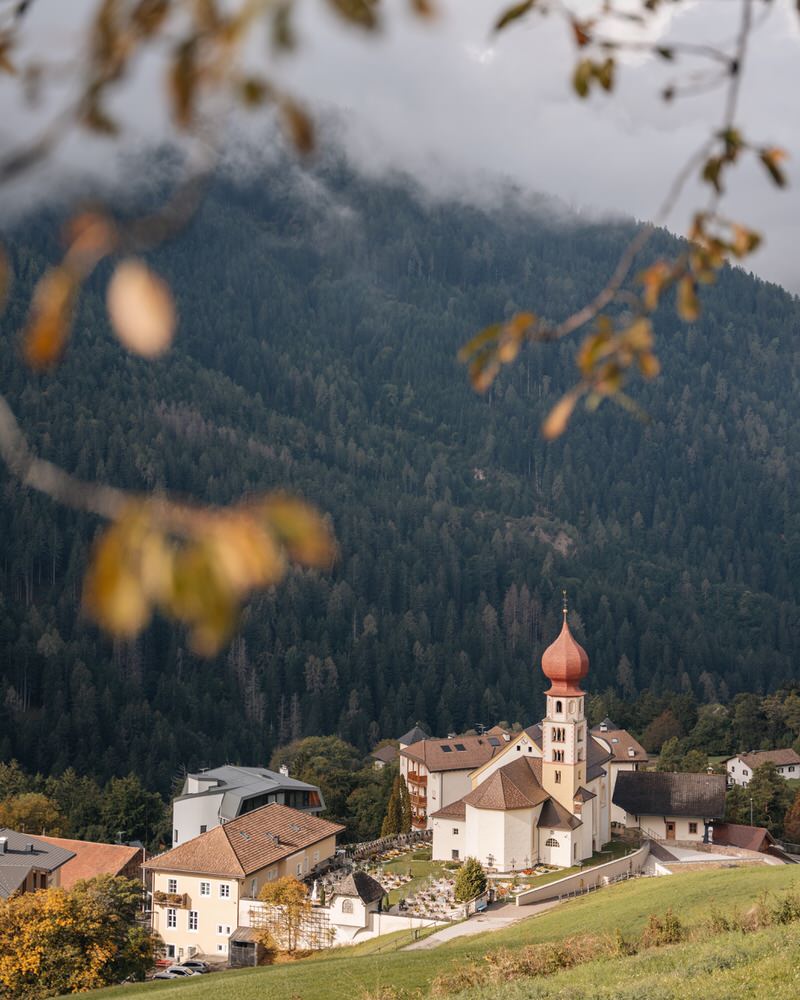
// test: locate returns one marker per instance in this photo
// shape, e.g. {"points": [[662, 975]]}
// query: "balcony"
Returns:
{"points": [[178, 900], [419, 822], [415, 778], [419, 799]]}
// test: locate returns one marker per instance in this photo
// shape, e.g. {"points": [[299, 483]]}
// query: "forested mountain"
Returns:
{"points": [[319, 322]]}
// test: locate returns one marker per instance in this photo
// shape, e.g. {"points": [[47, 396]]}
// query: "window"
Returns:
{"points": [[272, 874], [791, 767], [299, 867], [224, 890], [172, 918], [459, 746], [203, 828], [170, 951], [205, 888], [558, 734], [455, 831], [316, 857], [580, 734], [530, 749], [172, 885], [518, 747], [551, 842], [347, 906], [174, 837], [575, 850], [253, 888], [557, 777], [745, 772], [693, 828], [192, 920], [224, 929], [559, 707], [445, 748], [220, 947], [558, 756], [454, 855]]}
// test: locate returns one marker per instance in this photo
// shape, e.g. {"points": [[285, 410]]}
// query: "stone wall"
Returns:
{"points": [[588, 878]]}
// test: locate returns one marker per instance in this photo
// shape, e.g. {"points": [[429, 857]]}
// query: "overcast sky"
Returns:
{"points": [[459, 108]]}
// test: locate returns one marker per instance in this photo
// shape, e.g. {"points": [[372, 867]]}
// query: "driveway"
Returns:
{"points": [[497, 916]]}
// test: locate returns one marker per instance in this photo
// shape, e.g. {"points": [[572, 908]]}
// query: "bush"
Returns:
{"points": [[470, 881], [663, 930]]}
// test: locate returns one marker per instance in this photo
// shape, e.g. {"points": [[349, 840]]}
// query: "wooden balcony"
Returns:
{"points": [[415, 778], [419, 799], [419, 822]]}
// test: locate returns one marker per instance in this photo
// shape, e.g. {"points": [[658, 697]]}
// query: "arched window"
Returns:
{"points": [[551, 842], [347, 906], [558, 707]]}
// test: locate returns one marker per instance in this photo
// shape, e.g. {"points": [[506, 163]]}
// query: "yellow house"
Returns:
{"points": [[197, 887]]}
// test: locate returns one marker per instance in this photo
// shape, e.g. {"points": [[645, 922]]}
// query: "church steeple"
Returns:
{"points": [[564, 731]]}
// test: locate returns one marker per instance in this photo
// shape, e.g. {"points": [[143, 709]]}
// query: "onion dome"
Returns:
{"points": [[565, 663]]}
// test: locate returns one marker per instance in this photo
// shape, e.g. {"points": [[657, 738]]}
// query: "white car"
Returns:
{"points": [[195, 964], [174, 972]]}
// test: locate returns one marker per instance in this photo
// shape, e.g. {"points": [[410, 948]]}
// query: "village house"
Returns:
{"points": [[628, 755], [92, 859], [740, 767], [28, 863], [217, 796], [200, 887], [437, 772], [665, 806], [384, 756], [540, 796]]}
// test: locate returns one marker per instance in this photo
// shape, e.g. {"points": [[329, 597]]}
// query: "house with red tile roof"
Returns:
{"points": [[740, 767], [92, 859], [202, 888]]}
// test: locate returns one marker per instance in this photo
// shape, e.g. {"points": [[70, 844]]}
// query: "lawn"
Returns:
{"points": [[348, 974]]}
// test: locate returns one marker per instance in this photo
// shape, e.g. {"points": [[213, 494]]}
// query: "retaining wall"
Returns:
{"points": [[587, 878]]}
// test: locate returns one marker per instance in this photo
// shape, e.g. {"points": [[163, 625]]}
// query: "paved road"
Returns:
{"points": [[496, 917]]}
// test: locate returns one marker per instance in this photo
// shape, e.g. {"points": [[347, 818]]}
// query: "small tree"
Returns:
{"points": [[394, 810], [470, 881], [289, 908], [670, 757], [405, 808], [31, 812], [791, 824]]}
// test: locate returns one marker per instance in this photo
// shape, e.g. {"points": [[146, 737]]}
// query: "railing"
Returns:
{"points": [[418, 798], [415, 778], [178, 900]]}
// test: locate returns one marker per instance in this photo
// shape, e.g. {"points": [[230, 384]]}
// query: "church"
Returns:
{"points": [[545, 797]]}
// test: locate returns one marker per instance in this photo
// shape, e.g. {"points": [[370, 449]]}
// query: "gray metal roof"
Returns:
{"points": [[23, 853], [413, 736], [362, 885], [236, 784]]}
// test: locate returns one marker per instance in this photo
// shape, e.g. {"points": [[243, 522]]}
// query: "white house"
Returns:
{"points": [[740, 768], [217, 796], [542, 796], [628, 755], [667, 806]]}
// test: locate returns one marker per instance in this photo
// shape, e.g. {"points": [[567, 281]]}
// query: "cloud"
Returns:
{"points": [[465, 111]]}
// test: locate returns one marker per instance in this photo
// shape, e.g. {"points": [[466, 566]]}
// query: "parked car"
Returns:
{"points": [[175, 972], [195, 964]]}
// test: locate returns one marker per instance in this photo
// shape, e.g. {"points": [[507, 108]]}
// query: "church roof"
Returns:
{"points": [[654, 793], [583, 795], [515, 786], [555, 817], [455, 810], [597, 755]]}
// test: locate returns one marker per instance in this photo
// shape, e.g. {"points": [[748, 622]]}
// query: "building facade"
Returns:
{"points": [[542, 796], [739, 769]]}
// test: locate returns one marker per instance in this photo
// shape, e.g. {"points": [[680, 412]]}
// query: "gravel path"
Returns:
{"points": [[497, 916]]}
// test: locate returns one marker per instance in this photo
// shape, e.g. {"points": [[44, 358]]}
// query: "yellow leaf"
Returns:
{"points": [[246, 556], [141, 309], [654, 279], [200, 598], [300, 529], [50, 319], [688, 304], [558, 418], [649, 365], [639, 335], [113, 594], [299, 126]]}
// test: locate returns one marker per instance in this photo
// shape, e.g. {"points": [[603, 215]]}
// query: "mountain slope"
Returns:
{"points": [[319, 325]]}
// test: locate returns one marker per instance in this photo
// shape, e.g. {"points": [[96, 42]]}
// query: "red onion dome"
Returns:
{"points": [[565, 664]]}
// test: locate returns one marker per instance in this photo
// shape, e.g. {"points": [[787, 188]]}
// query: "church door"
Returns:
{"points": [[670, 830]]}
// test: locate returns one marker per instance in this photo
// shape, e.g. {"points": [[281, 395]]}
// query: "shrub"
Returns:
{"points": [[663, 930], [470, 881]]}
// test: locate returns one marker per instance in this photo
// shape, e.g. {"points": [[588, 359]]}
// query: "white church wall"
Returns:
{"points": [[518, 841], [523, 747], [485, 835], [555, 847], [449, 835]]}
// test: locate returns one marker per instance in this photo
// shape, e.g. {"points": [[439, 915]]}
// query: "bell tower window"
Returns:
{"points": [[559, 707], [558, 756], [557, 777]]}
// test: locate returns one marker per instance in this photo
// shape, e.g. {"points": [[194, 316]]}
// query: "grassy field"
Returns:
{"points": [[354, 973]]}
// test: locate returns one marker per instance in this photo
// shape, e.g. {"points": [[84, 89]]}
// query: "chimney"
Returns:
{"points": [[284, 769], [3, 845], [29, 848]]}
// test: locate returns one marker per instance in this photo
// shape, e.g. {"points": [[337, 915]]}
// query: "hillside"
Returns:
{"points": [[677, 971], [319, 325]]}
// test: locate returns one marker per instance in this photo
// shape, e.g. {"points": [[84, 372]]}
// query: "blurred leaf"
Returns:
{"points": [[246, 556], [283, 36], [480, 340], [582, 77], [604, 74], [772, 158], [200, 598], [98, 120], [360, 12], [712, 169], [423, 8], [744, 241], [581, 31], [6, 66], [639, 335], [654, 279], [665, 52], [50, 320], [90, 236], [254, 91], [300, 529], [688, 303], [141, 309], [649, 365], [298, 125], [183, 81], [512, 14], [113, 592], [558, 418], [148, 16]]}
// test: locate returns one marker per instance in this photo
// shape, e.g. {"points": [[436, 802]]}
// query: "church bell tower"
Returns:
{"points": [[565, 734]]}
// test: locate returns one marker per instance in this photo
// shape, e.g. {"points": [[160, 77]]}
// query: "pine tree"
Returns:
{"points": [[394, 810], [791, 824], [470, 881], [405, 808]]}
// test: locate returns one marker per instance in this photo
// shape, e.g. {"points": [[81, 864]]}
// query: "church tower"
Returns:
{"points": [[565, 734]]}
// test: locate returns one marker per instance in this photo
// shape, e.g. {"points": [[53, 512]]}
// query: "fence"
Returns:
{"points": [[588, 879]]}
